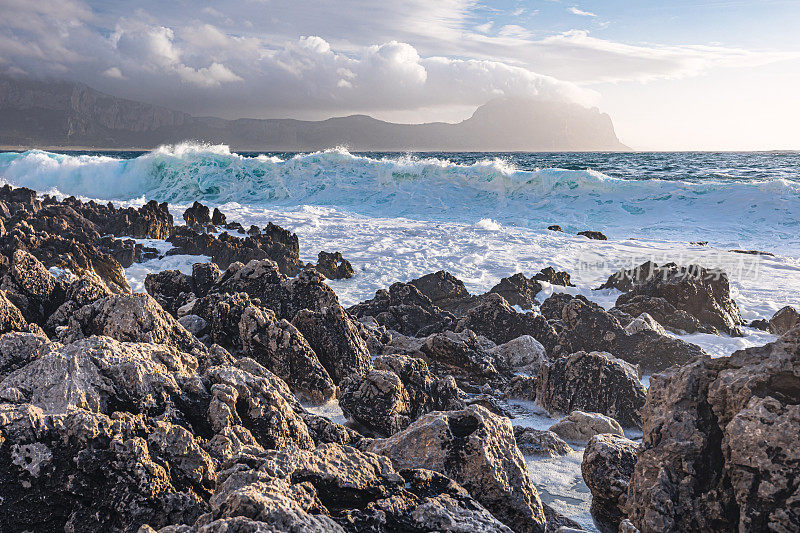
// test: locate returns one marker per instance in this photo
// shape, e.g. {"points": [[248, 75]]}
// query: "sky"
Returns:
{"points": [[673, 75]]}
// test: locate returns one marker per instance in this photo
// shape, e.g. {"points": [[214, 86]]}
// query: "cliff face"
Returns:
{"points": [[36, 113]]}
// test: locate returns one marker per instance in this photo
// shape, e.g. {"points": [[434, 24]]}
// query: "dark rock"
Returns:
{"points": [[31, 288], [18, 349], [596, 235], [426, 391], [197, 215], [753, 252], [126, 251], [521, 388], [378, 401], [607, 467], [760, 323], [81, 291], [254, 230], [218, 218], [624, 280], [463, 354], [555, 227], [784, 320], [720, 451], [334, 337], [204, 276], [446, 292], [518, 290], [235, 226], [554, 277], [405, 309], [172, 289], [222, 314], [664, 313], [699, 243], [334, 266], [279, 346], [595, 382], [540, 443]]}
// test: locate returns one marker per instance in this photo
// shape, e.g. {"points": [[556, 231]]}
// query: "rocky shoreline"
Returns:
{"points": [[188, 408]]}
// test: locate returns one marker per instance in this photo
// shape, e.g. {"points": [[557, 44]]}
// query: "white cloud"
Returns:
{"points": [[575, 11], [113, 72]]}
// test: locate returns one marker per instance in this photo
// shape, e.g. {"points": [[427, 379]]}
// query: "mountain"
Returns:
{"points": [[61, 114]]}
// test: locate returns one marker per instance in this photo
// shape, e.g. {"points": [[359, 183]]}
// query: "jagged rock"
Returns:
{"points": [[126, 251], [446, 292], [338, 488], [644, 322], [426, 391], [81, 291], [554, 277], [720, 448], [518, 290], [555, 227], [375, 336], [760, 323], [31, 288], [595, 382], [580, 426], [587, 326], [784, 320], [521, 387], [11, 318], [463, 354], [204, 276], [194, 324], [378, 401], [218, 218], [172, 289], [222, 314], [497, 321], [477, 449], [523, 354], [607, 467], [279, 346], [197, 215], [334, 266], [134, 318], [259, 279], [334, 337], [405, 309], [18, 349], [307, 291], [540, 443], [701, 293], [664, 313], [596, 235]]}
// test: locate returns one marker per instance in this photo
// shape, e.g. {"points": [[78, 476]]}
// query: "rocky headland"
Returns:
{"points": [[191, 407]]}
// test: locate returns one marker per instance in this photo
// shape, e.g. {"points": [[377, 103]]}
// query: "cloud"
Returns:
{"points": [[575, 11]]}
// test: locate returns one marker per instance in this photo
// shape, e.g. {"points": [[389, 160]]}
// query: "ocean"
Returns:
{"points": [[480, 216]]}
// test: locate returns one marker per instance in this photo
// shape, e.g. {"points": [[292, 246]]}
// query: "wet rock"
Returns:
{"points": [[81, 291], [197, 215], [760, 323], [259, 279], [194, 324], [523, 354], [334, 337], [607, 467], [540, 443], [626, 279], [580, 426], [554, 277], [463, 354], [172, 289], [446, 292], [497, 321], [555, 227], [126, 251], [784, 320], [474, 448], [18, 349], [334, 266], [375, 336], [596, 235], [281, 348], [518, 290], [218, 218], [594, 382], [307, 291], [134, 318], [719, 450], [753, 252], [701, 293]]}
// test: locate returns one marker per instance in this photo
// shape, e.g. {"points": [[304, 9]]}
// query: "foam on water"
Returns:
{"points": [[725, 211]]}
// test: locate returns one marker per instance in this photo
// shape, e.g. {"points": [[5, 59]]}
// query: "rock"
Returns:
{"points": [[338, 488], [644, 322], [497, 321], [784, 320], [378, 401], [625, 280], [760, 323], [596, 235], [521, 387], [172, 289], [540, 443], [334, 337], [752, 252], [579, 426], [664, 313], [446, 292], [126, 251], [701, 293], [11, 318], [197, 215], [550, 275], [476, 449], [218, 218], [405, 309], [463, 354], [81, 291], [134, 318], [720, 450], [194, 324], [281, 348], [31, 288], [204, 276], [607, 467], [555, 227], [18, 349], [518, 290], [222, 313], [595, 382], [334, 266], [523, 354]]}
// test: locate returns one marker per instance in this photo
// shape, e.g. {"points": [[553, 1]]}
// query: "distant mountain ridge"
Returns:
{"points": [[63, 114]]}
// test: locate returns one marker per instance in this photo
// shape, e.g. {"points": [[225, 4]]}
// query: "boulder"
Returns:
{"points": [[18, 349], [555, 227], [197, 215], [594, 382], [607, 467], [172, 289], [720, 448], [554, 277], [523, 354], [281, 348], [518, 290], [540, 443], [222, 314], [644, 322], [378, 401], [334, 266], [334, 337], [463, 354], [11, 318], [521, 387], [426, 391], [596, 235], [784, 320], [204, 276], [579, 426], [218, 218], [476, 449], [31, 287], [446, 292], [664, 313]]}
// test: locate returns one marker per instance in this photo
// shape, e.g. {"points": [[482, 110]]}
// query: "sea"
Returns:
{"points": [[480, 216]]}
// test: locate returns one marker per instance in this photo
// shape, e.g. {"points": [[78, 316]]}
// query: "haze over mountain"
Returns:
{"points": [[64, 114]]}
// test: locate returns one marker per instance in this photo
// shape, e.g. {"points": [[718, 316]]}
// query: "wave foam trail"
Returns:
{"points": [[427, 188]]}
